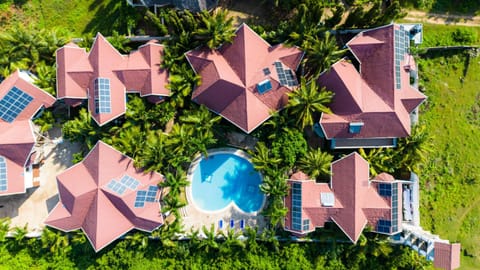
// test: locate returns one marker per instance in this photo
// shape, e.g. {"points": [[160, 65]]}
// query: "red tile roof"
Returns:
{"points": [[138, 72], [17, 138], [356, 201], [231, 73], [446, 256], [88, 203], [370, 96]]}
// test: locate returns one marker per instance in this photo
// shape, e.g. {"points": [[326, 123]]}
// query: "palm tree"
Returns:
{"points": [[137, 240], [55, 242], [231, 241], [46, 77], [172, 204], [412, 151], [83, 129], [251, 234], [119, 42], [130, 140], [176, 182], [210, 242], [215, 29], [379, 159], [307, 101], [320, 53], [201, 118], [4, 229], [19, 233], [275, 186], [262, 158], [154, 153], [316, 163], [275, 211]]}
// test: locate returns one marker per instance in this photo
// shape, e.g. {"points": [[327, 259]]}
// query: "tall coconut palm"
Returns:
{"points": [[307, 101], [210, 242], [137, 240], [274, 186], [175, 182], [155, 152], [379, 160], [262, 158], [320, 54], [412, 151], [275, 211], [46, 77], [4, 229], [215, 29], [316, 163], [231, 242]]}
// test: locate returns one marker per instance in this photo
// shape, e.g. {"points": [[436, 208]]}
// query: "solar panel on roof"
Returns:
{"points": [[102, 95], [129, 182], [13, 103], [3, 174], [296, 206], [145, 196], [394, 207], [266, 71]]}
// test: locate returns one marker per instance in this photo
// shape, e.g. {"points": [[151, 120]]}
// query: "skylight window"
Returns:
{"points": [[264, 86], [355, 127]]}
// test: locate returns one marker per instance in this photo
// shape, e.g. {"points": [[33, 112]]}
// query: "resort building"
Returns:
{"points": [[192, 5], [103, 76], [20, 101], [246, 80], [375, 90], [350, 200], [106, 196]]}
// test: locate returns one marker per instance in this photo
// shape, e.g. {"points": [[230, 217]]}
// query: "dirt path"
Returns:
{"points": [[447, 19]]}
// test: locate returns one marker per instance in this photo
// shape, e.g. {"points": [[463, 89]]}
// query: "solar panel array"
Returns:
{"points": [[394, 207], [297, 206], [121, 186], [385, 189], [3, 174], [102, 95], [401, 45], [145, 196], [383, 226], [13, 103], [286, 76]]}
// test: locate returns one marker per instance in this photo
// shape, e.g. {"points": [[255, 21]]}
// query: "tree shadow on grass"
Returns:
{"points": [[110, 15]]}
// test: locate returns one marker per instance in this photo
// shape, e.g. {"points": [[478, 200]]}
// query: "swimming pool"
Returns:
{"points": [[226, 178]]}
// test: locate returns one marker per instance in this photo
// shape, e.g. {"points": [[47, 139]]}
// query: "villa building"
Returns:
{"points": [[20, 101], [375, 90], [103, 76], [350, 200], [247, 80], [106, 197], [192, 5]]}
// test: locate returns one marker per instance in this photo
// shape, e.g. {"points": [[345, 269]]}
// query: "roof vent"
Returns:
{"points": [[264, 86], [327, 198], [355, 127]]}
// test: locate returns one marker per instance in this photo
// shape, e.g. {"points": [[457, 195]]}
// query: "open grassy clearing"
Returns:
{"points": [[77, 17], [451, 180]]}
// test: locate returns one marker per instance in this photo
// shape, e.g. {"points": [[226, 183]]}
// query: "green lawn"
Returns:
{"points": [[450, 204], [76, 16]]}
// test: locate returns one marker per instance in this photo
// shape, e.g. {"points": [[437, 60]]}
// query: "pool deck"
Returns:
{"points": [[195, 218]]}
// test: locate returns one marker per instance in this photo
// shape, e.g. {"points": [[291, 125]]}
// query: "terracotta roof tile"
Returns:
{"points": [[230, 76], [446, 256], [369, 96], [17, 138], [139, 71], [88, 203], [355, 203]]}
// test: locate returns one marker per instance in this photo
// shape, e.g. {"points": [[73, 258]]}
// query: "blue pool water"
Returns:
{"points": [[223, 178]]}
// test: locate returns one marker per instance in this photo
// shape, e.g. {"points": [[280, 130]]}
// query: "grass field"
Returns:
{"points": [[450, 205], [77, 17]]}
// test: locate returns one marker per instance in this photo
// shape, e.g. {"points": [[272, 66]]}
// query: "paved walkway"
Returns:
{"points": [[32, 208]]}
